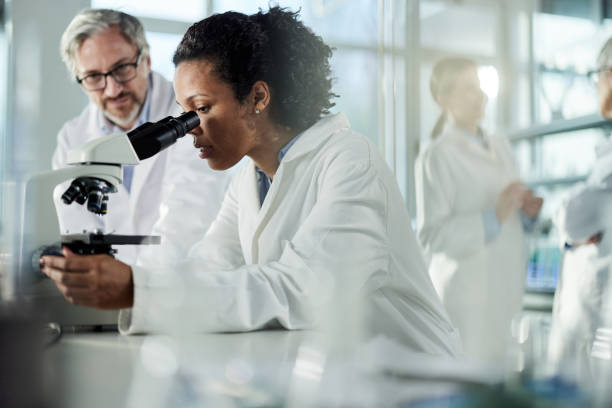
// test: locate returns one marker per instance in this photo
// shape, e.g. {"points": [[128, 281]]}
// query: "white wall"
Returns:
{"points": [[40, 94]]}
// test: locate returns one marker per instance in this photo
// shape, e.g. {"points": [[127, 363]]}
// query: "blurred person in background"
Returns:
{"points": [[582, 298], [108, 55], [471, 213]]}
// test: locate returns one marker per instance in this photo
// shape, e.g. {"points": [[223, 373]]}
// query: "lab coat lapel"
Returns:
{"points": [[139, 179], [93, 125], [462, 138], [491, 150], [310, 140], [250, 215], [269, 203], [315, 136], [160, 105]]}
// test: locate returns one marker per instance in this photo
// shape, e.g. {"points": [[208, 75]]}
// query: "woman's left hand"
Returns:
{"points": [[98, 281], [532, 204]]}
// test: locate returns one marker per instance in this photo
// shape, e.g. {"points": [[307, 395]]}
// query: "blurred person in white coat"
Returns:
{"points": [[169, 194], [469, 207], [315, 215], [583, 295]]}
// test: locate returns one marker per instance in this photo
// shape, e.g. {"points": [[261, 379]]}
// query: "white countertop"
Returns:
{"points": [[264, 368], [107, 369]]}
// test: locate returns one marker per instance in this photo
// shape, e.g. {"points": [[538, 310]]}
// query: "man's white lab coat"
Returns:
{"points": [[582, 298], [481, 284], [333, 224], [174, 188]]}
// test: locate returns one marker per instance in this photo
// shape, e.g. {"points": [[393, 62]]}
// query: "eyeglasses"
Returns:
{"points": [[122, 74], [594, 74]]}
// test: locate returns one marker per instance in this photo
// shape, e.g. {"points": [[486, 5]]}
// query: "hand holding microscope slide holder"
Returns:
{"points": [[96, 169]]}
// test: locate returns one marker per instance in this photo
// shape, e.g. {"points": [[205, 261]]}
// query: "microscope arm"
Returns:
{"points": [[40, 223]]}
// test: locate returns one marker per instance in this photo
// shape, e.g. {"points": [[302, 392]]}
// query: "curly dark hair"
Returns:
{"points": [[271, 46]]}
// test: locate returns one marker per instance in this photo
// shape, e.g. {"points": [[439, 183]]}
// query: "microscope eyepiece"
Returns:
{"points": [[151, 138], [189, 120]]}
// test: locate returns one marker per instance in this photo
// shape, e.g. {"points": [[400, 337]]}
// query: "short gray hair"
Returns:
{"points": [[605, 55], [93, 21]]}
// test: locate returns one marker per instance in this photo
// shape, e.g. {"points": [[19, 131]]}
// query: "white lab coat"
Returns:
{"points": [[333, 222], [582, 298], [481, 284], [173, 194]]}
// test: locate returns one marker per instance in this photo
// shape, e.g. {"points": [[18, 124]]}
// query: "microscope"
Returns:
{"points": [[96, 170]]}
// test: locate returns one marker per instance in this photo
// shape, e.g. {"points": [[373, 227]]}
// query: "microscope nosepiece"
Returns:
{"points": [[76, 191], [92, 190], [94, 201]]}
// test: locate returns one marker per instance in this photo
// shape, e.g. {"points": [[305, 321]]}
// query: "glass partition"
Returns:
{"points": [[565, 48], [565, 44], [6, 188], [163, 46], [185, 10]]}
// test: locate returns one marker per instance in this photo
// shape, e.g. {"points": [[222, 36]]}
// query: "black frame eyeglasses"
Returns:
{"points": [[593, 75], [121, 74]]}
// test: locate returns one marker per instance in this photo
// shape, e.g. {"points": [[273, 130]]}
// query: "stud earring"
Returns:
{"points": [[257, 111]]}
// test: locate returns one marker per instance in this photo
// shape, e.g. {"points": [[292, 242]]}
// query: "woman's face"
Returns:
{"points": [[226, 133], [604, 90], [465, 102]]}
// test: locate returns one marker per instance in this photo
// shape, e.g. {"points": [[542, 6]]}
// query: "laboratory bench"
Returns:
{"points": [[87, 368], [268, 368], [106, 369], [257, 369]]}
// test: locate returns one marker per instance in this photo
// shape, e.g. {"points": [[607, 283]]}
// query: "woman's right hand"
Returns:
{"points": [[98, 281], [510, 200]]}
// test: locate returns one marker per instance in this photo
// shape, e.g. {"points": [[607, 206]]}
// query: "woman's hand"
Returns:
{"points": [[510, 200], [98, 281], [532, 204]]}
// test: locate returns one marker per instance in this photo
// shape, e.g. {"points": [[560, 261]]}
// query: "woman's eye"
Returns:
{"points": [[203, 109]]}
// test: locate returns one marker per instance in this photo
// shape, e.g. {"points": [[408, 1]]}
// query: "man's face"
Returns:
{"points": [[120, 102], [604, 90]]}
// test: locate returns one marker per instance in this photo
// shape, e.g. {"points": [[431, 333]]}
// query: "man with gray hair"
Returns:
{"points": [[171, 194], [582, 300]]}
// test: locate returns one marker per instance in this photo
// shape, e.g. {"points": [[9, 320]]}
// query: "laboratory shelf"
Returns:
{"points": [[538, 301], [549, 182], [561, 126]]}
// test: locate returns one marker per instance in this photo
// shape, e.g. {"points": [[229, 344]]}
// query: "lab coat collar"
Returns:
{"points": [[315, 135], [602, 169], [309, 140], [470, 140], [604, 149]]}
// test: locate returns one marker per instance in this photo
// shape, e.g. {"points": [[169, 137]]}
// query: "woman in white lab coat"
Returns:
{"points": [[469, 201], [314, 221]]}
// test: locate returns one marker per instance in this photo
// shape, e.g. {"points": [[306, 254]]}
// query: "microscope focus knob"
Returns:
{"points": [[54, 249]]}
